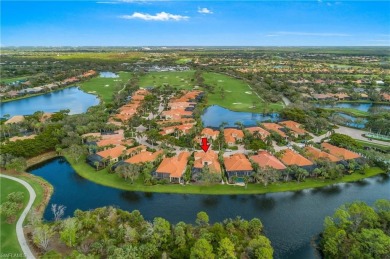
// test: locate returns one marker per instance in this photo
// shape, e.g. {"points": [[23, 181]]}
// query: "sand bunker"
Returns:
{"points": [[220, 81], [237, 103], [248, 92], [106, 85]]}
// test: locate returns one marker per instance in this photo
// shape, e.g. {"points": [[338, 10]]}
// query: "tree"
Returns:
{"points": [[18, 164], [9, 210], [16, 197], [42, 235], [226, 249], [68, 233], [202, 249], [128, 171], [202, 219], [58, 211], [260, 247], [75, 152]]}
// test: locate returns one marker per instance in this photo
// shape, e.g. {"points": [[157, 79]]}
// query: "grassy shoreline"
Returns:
{"points": [[112, 180]]}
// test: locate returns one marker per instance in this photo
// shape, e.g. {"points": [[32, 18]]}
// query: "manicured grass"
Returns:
{"points": [[351, 111], [104, 178], [179, 79], [238, 95], [13, 79], [105, 87], [8, 239]]}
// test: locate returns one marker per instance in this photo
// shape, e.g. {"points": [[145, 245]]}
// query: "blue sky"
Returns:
{"points": [[190, 23]]}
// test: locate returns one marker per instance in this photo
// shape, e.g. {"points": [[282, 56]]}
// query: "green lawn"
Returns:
{"points": [[104, 178], [179, 79], [351, 111], [8, 240], [12, 79], [105, 87], [238, 95], [370, 144]]}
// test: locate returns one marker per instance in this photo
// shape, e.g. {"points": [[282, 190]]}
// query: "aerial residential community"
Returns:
{"points": [[149, 130]]}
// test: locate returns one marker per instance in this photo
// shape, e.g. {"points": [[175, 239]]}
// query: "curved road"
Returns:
{"points": [[19, 225]]}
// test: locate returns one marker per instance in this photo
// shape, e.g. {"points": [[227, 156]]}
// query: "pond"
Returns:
{"points": [[108, 75], [71, 98], [357, 106], [352, 121], [290, 219], [215, 115]]}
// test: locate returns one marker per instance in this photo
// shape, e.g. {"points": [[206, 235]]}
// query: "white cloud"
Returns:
{"points": [[162, 16], [204, 11], [319, 34]]}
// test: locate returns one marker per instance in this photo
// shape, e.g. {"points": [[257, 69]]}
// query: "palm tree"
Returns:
{"points": [[96, 164]]}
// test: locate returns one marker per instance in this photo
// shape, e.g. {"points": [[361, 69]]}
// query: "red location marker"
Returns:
{"points": [[205, 145]]}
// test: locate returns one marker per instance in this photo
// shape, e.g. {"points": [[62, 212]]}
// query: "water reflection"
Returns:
{"points": [[132, 197], [290, 219]]}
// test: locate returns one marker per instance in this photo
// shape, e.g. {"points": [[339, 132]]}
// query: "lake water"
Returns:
{"points": [[291, 219], [357, 106], [353, 121], [215, 115], [108, 75], [71, 98]]}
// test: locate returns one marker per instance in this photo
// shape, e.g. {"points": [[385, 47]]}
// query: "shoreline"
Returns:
{"points": [[102, 177]]}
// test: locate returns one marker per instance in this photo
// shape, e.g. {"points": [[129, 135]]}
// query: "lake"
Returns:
{"points": [[214, 115], [353, 121], [290, 219], [71, 98], [357, 106], [108, 75]]}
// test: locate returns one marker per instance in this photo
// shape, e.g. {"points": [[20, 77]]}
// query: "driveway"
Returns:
{"points": [[19, 225]]}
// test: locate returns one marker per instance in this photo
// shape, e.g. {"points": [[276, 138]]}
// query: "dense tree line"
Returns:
{"points": [[357, 230], [113, 233]]}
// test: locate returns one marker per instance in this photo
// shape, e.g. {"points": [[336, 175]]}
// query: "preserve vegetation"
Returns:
{"points": [[357, 230], [135, 237]]}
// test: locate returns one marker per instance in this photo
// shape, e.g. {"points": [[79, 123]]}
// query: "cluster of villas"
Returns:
{"points": [[178, 118], [236, 166], [47, 87], [128, 110], [342, 95]]}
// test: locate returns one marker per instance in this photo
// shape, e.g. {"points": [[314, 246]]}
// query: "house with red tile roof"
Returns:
{"points": [[209, 159], [113, 154], [144, 157], [290, 158], [239, 166], [258, 131], [265, 159], [315, 154], [339, 152], [233, 135], [385, 97], [295, 128], [181, 129], [274, 127], [173, 168], [210, 134]]}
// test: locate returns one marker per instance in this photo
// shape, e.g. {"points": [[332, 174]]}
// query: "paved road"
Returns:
{"points": [[19, 225], [357, 134], [353, 133]]}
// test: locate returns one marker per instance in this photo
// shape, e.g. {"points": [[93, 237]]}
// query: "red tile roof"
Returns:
{"points": [[174, 166], [339, 152], [294, 126], [144, 157], [290, 157], [264, 159], [274, 127], [237, 162], [263, 133], [315, 154], [210, 157], [112, 152]]}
